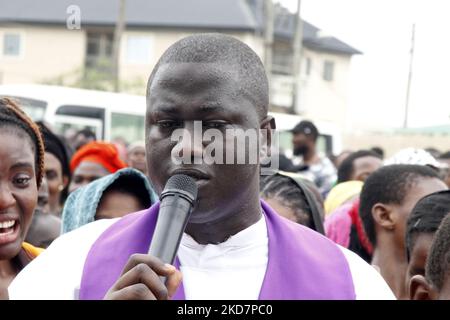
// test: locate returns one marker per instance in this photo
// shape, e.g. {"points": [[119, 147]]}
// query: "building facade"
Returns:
{"points": [[43, 45]]}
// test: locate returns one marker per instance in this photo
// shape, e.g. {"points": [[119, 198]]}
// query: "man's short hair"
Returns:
{"points": [[445, 155], [226, 50], [389, 185], [307, 128], [426, 217], [379, 151], [87, 133], [438, 261], [346, 168]]}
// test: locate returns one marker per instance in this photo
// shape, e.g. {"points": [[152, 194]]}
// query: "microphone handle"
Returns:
{"points": [[174, 212]]}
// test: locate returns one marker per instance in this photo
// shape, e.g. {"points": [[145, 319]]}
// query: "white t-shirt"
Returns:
{"points": [[56, 273]]}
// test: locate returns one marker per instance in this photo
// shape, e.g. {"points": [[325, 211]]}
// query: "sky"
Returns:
{"points": [[382, 30]]}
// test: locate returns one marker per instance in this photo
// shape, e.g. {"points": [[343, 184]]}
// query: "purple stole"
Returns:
{"points": [[302, 264]]}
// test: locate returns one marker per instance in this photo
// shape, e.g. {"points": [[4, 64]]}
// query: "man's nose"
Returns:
{"points": [[7, 199], [192, 142]]}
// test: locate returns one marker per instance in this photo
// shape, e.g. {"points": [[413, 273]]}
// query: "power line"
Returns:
{"points": [[408, 87]]}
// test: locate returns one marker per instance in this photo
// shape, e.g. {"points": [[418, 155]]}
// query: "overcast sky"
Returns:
{"points": [[381, 29]]}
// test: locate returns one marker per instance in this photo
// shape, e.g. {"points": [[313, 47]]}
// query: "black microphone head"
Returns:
{"points": [[181, 183]]}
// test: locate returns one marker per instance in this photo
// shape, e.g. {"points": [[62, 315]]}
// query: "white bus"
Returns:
{"points": [[109, 115], [112, 115]]}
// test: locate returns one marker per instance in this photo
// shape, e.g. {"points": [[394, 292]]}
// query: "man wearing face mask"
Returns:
{"points": [[314, 166]]}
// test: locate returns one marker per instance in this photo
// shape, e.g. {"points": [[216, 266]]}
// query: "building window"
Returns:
{"points": [[138, 50], [308, 66], [11, 45], [99, 50], [128, 126], [328, 70]]}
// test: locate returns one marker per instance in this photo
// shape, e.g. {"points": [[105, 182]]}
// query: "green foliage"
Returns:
{"points": [[97, 77]]}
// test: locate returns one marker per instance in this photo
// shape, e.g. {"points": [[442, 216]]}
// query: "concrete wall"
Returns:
{"points": [[392, 143], [319, 100], [46, 52], [159, 41], [49, 52], [322, 100]]}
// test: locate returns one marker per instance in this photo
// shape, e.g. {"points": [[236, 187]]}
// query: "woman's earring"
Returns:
{"points": [[61, 187]]}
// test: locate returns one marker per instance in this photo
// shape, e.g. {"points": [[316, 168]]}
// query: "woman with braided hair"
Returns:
{"points": [[21, 172]]}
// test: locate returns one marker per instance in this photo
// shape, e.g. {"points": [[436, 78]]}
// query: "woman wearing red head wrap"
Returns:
{"points": [[94, 160]]}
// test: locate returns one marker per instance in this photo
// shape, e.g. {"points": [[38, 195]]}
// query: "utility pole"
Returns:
{"points": [[118, 31], [268, 40], [297, 59], [408, 87]]}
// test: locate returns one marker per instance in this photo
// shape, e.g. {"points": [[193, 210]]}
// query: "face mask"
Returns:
{"points": [[301, 150]]}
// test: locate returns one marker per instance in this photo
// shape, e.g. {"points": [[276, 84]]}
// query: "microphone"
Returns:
{"points": [[177, 201]]}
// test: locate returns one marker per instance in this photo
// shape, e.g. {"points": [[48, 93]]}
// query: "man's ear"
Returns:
{"points": [[383, 216], [362, 176], [266, 132], [419, 288]]}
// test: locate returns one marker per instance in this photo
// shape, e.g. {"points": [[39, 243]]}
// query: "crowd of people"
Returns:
{"points": [[77, 217]]}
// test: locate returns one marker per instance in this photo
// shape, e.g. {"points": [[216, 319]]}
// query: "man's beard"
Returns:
{"points": [[301, 150]]}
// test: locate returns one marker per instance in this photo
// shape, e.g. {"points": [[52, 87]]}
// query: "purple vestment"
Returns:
{"points": [[302, 264]]}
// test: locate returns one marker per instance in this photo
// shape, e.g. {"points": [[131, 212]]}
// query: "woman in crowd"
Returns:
{"points": [[57, 170], [294, 198], [93, 161], [136, 156], [21, 172], [115, 195], [45, 227]]}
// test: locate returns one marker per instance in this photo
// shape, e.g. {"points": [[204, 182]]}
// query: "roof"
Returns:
{"points": [[312, 38], [221, 14], [196, 14]]}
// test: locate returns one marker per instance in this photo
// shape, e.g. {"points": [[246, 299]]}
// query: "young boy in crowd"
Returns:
{"points": [[436, 283], [421, 226], [387, 198]]}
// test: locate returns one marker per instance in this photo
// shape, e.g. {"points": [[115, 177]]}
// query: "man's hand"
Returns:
{"points": [[140, 280]]}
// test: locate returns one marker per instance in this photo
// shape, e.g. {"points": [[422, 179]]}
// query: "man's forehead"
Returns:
{"points": [[205, 85], [173, 72]]}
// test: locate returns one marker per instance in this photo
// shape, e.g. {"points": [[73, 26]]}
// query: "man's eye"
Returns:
{"points": [[214, 124], [168, 124]]}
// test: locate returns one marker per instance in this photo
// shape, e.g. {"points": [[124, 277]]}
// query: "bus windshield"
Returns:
{"points": [[35, 109]]}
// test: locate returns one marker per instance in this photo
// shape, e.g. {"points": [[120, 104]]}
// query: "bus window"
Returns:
{"points": [[35, 109], [67, 126], [71, 115], [81, 111], [127, 126], [68, 130], [285, 141], [325, 144]]}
